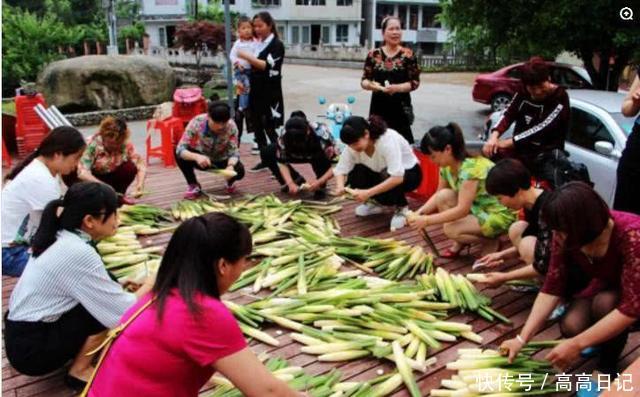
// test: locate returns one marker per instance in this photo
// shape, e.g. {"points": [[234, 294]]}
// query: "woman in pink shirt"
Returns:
{"points": [[176, 344], [603, 245]]}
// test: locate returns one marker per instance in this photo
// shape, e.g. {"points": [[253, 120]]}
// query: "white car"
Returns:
{"points": [[597, 135]]}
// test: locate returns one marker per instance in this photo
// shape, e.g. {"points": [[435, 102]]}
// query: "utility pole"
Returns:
{"points": [[227, 50], [112, 49]]}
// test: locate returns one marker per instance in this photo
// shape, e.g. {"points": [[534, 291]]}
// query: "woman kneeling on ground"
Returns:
{"points": [[605, 246], [379, 165], [65, 301], [30, 186], [111, 158], [210, 141], [302, 142], [186, 333], [510, 181], [461, 204]]}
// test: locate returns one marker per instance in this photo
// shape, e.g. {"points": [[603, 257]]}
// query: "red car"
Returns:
{"points": [[497, 88]]}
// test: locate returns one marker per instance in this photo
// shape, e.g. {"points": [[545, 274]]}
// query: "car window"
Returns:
{"points": [[571, 79], [515, 73], [586, 129]]}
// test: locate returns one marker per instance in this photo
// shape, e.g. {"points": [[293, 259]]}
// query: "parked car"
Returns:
{"points": [[499, 87], [598, 133]]}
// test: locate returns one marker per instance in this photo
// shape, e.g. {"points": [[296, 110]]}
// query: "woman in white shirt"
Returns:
{"points": [[32, 184], [65, 299], [379, 165]]}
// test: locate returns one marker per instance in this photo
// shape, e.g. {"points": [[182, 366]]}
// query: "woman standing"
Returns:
{"points": [[392, 72], [65, 300], [461, 204], [627, 190], [266, 104], [184, 332], [111, 158], [31, 185], [605, 246]]}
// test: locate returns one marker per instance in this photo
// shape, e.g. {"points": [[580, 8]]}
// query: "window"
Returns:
{"points": [[306, 35], [429, 19], [326, 34], [413, 18], [265, 3], [586, 129], [281, 32], [345, 2], [567, 78], [310, 2], [342, 33], [162, 37], [295, 34], [514, 73], [402, 14], [382, 11]]}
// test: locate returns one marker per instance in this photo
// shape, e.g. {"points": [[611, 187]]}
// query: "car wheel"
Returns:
{"points": [[500, 102]]}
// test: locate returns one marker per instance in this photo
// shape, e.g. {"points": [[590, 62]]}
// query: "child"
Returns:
{"points": [[242, 68]]}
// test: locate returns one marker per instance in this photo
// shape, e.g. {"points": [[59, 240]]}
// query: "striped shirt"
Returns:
{"points": [[68, 273]]}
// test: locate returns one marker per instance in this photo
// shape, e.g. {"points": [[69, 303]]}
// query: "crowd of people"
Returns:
{"points": [[585, 255]]}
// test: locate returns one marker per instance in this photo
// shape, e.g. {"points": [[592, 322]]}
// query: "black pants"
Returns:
{"points": [[38, 348], [187, 167], [263, 127], [268, 157], [240, 117], [628, 174], [362, 177]]}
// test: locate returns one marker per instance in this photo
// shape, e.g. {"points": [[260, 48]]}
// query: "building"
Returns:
{"points": [[421, 29], [304, 22]]}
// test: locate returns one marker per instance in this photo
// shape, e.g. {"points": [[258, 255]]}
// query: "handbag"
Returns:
{"points": [[106, 344]]}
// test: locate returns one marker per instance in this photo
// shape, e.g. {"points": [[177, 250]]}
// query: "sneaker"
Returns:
{"points": [[258, 167], [231, 189], [193, 192], [399, 219], [255, 150], [367, 209]]}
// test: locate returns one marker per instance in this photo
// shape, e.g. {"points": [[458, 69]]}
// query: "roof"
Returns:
{"points": [[606, 100]]}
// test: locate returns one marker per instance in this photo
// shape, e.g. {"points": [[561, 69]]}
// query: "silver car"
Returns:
{"points": [[597, 135]]}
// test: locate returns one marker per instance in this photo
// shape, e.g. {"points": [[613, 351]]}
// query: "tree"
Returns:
{"points": [[200, 36], [520, 28]]}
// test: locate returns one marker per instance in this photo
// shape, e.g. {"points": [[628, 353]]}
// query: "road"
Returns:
{"points": [[441, 98]]}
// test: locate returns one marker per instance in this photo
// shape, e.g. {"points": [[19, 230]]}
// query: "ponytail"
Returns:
{"points": [[64, 140], [82, 199], [437, 139], [355, 127]]}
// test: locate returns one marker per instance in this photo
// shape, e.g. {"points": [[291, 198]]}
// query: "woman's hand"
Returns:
{"points": [[511, 348], [361, 195], [392, 89], [490, 148], [203, 161], [313, 186], [491, 260], [139, 191], [244, 55], [419, 222], [293, 188], [494, 279], [565, 354]]}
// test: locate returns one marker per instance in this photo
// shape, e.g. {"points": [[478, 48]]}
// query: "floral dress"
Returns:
{"points": [[396, 109], [99, 161], [218, 147], [493, 217]]}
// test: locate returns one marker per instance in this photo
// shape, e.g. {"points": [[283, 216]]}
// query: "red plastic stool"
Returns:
{"points": [[30, 129], [6, 158], [171, 131], [430, 177]]}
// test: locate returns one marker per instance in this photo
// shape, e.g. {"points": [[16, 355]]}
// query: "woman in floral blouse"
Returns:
{"points": [[392, 72], [210, 141], [111, 158]]}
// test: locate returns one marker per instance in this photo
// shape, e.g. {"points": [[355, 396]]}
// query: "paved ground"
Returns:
{"points": [[442, 97]]}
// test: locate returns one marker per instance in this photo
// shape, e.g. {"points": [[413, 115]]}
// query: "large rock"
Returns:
{"points": [[98, 82]]}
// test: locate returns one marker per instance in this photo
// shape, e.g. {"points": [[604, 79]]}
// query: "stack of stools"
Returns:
{"points": [[188, 103], [30, 129]]}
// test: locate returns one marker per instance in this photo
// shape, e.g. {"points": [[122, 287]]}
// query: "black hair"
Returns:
{"points": [[65, 140], [242, 19], [190, 260], [265, 17], [507, 177], [355, 127], [535, 72], [438, 137], [577, 210], [297, 137], [219, 111], [298, 113], [82, 199]]}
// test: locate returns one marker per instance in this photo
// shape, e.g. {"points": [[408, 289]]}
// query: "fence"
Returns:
{"points": [[177, 56]]}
